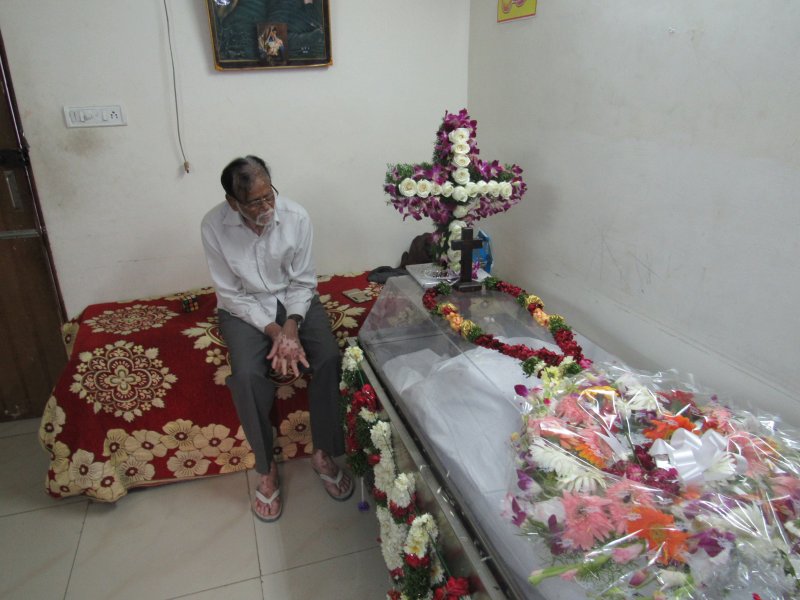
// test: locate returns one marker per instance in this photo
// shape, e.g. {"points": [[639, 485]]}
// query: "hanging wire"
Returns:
{"points": [[186, 165]]}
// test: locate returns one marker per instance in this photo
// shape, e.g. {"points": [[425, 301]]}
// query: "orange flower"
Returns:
{"points": [[659, 531], [666, 425], [587, 454], [541, 317], [455, 321]]}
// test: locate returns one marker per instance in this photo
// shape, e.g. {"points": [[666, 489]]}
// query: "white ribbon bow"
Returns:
{"points": [[698, 459]]}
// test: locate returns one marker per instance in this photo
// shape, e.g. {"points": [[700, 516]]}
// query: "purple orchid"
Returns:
{"points": [[524, 481], [712, 541]]}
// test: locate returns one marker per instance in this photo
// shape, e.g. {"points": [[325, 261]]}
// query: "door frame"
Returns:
{"points": [[8, 92]]}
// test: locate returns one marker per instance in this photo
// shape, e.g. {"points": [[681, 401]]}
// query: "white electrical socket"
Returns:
{"points": [[94, 116]]}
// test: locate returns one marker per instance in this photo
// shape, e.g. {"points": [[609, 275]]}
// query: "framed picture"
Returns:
{"points": [[511, 10], [270, 34]]}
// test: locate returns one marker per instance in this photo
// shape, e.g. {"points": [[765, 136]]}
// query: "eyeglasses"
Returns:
{"points": [[269, 199]]}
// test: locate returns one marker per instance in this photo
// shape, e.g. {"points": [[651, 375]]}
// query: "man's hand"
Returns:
{"points": [[286, 350]]}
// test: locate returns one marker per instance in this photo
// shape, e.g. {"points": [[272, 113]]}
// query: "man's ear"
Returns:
{"points": [[231, 202]]}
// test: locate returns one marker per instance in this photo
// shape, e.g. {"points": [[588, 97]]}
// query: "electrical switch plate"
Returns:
{"points": [[94, 116]]}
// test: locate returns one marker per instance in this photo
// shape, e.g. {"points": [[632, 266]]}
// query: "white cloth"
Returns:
{"points": [[251, 273]]}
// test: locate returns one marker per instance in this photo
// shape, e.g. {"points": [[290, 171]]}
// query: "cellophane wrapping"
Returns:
{"points": [[638, 485]]}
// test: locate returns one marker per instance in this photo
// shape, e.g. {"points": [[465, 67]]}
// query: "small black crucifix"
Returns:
{"points": [[466, 244]]}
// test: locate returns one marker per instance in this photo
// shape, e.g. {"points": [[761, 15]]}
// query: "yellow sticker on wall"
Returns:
{"points": [[509, 10]]}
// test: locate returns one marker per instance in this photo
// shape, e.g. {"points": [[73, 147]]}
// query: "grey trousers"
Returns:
{"points": [[253, 391]]}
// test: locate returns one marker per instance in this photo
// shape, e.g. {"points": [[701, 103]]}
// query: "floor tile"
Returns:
{"points": [[357, 576], [243, 590], [38, 550], [167, 541], [23, 471], [313, 527], [17, 427]]}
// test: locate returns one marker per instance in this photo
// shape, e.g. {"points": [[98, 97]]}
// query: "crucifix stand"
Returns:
{"points": [[466, 244]]}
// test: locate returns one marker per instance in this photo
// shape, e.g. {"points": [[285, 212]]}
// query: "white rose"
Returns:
{"points": [[460, 176], [482, 187], [447, 189], [436, 189], [505, 190], [459, 136], [461, 148], [459, 194], [460, 160], [461, 211], [455, 234], [472, 189], [493, 188], [407, 187], [424, 188], [460, 225], [454, 255]]}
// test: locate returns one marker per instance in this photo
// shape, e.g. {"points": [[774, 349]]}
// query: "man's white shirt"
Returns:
{"points": [[251, 273]]}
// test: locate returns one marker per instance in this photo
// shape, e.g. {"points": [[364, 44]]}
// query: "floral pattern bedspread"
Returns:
{"points": [[142, 400]]}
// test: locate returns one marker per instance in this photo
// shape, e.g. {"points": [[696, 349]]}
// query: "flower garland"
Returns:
{"points": [[541, 363], [642, 488], [407, 536], [456, 189]]}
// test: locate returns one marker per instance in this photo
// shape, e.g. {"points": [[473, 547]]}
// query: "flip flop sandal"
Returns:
{"points": [[335, 481], [268, 501]]}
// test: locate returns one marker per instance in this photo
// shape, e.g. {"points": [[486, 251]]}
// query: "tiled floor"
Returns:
{"points": [[195, 540]]}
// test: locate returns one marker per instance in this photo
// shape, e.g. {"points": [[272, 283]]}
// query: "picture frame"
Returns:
{"points": [[269, 34]]}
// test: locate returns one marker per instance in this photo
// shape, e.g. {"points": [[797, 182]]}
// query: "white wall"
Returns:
{"points": [[122, 216], [661, 146]]}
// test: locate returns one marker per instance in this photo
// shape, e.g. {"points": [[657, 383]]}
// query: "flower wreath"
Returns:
{"points": [[408, 536], [541, 362], [641, 487], [456, 188]]}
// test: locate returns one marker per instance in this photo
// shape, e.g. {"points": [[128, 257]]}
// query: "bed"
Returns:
{"points": [[143, 402]]}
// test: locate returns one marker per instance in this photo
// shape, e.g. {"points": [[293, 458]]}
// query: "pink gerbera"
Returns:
{"points": [[586, 520], [625, 496], [571, 410]]}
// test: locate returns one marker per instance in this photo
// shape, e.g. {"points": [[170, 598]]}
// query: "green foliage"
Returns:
{"points": [[530, 365], [557, 323], [490, 283], [352, 379], [363, 437], [416, 582], [522, 299], [474, 333], [403, 171], [358, 464], [444, 289], [506, 175], [548, 480], [572, 369]]}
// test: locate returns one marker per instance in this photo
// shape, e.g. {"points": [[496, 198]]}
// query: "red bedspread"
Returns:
{"points": [[143, 399]]}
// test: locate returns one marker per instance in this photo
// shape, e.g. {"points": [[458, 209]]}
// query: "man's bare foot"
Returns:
{"points": [[337, 483], [267, 485]]}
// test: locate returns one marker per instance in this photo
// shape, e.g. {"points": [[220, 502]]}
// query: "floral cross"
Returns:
{"points": [[457, 188]]}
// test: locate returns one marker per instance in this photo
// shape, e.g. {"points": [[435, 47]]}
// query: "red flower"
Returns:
{"points": [[393, 594], [398, 512], [417, 562], [457, 587], [511, 290], [396, 574], [373, 459]]}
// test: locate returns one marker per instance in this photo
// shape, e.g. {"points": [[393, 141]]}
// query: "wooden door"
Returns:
{"points": [[31, 312]]}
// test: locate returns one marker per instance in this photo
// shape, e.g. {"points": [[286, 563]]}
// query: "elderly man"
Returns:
{"points": [[258, 247]]}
